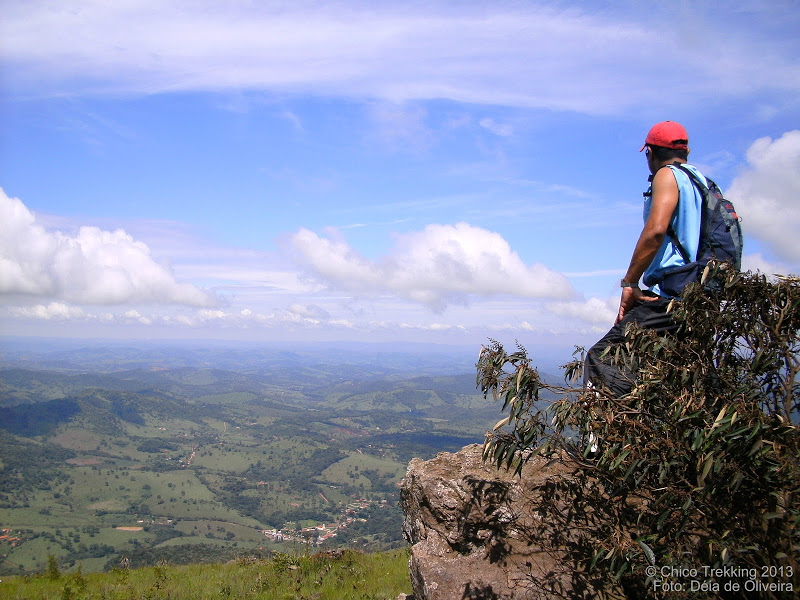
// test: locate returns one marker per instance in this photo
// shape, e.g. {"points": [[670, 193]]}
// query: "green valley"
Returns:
{"points": [[192, 455]]}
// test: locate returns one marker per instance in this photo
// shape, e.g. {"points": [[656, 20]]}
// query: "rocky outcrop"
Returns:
{"points": [[480, 533]]}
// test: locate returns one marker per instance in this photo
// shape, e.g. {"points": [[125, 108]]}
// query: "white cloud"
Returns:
{"points": [[295, 121], [311, 311], [767, 194], [440, 265], [183, 320], [427, 326], [521, 54], [757, 262], [501, 129], [53, 310], [135, 315], [341, 323], [92, 267], [212, 315], [593, 310]]}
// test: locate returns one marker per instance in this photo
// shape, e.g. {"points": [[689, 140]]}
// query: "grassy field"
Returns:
{"points": [[208, 457], [345, 576], [350, 470]]}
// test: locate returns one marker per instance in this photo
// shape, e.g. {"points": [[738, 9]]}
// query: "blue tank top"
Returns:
{"points": [[685, 224]]}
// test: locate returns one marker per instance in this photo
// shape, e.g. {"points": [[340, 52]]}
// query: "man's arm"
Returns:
{"points": [[663, 203]]}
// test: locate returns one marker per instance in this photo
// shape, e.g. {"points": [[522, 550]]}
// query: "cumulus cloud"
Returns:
{"points": [[92, 267], [767, 194], [439, 265]]}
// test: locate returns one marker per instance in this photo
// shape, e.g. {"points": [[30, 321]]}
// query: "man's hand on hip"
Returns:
{"points": [[630, 296]]}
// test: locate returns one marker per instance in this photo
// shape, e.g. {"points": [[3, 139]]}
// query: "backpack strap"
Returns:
{"points": [[691, 175], [677, 243]]}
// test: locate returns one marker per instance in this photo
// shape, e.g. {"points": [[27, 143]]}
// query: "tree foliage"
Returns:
{"points": [[699, 465]]}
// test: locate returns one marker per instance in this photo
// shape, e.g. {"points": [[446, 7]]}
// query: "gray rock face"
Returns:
{"points": [[480, 533]]}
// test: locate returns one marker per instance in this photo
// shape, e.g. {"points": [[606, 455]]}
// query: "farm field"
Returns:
{"points": [[194, 464]]}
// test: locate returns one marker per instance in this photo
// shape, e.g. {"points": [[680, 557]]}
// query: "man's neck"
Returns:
{"points": [[656, 167], [668, 162]]}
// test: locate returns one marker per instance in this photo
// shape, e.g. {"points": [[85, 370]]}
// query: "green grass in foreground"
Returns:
{"points": [[350, 575]]}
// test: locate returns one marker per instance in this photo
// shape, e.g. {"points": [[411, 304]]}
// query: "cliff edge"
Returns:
{"points": [[480, 533]]}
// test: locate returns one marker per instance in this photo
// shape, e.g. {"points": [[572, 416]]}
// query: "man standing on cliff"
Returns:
{"points": [[670, 238]]}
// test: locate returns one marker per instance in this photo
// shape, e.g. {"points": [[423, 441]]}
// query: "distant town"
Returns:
{"points": [[319, 534]]}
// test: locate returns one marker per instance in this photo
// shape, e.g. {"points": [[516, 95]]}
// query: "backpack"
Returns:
{"points": [[720, 239]]}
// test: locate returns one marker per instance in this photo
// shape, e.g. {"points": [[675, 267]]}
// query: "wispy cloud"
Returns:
{"points": [[401, 127], [497, 128], [596, 272], [530, 55]]}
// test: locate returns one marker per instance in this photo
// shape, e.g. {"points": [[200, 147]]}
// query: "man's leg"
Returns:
{"points": [[599, 371]]}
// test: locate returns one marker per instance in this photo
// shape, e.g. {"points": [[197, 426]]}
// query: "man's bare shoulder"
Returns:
{"points": [[664, 177]]}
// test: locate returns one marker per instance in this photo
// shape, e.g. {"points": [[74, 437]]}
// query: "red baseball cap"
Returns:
{"points": [[667, 134]]}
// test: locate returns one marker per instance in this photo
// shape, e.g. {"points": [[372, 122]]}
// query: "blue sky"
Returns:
{"points": [[433, 172]]}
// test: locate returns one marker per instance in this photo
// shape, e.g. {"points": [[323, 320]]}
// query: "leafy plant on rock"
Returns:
{"points": [[699, 465]]}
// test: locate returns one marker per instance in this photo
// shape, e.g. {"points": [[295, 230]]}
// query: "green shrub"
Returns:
{"points": [[699, 465], [52, 567]]}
